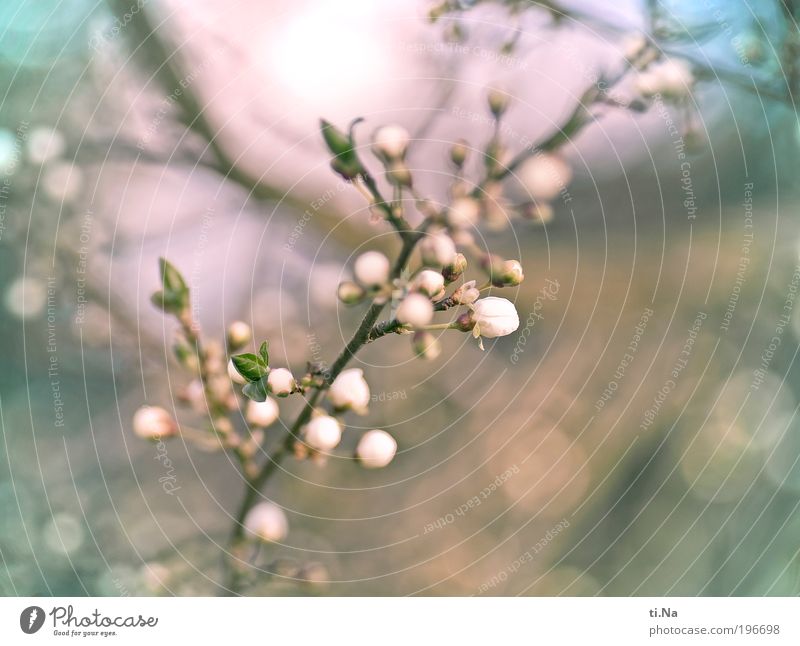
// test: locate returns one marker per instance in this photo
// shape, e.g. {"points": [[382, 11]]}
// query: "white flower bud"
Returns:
{"points": [[464, 238], [399, 174], [390, 142], [544, 176], [494, 317], [372, 269], [154, 422], [26, 297], [459, 152], [673, 78], [541, 213], [376, 449], [350, 293], [416, 310], [426, 346], [453, 271], [194, 394], [281, 382], [44, 144], [61, 181], [428, 282], [507, 273], [267, 522], [633, 45], [498, 101], [437, 248], [464, 212], [350, 391], [323, 433], [238, 335], [234, 375], [467, 294], [262, 414]]}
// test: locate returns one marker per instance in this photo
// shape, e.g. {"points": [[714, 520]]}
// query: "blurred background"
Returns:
{"points": [[642, 440]]}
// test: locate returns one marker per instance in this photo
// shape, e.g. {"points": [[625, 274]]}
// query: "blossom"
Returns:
{"points": [[513, 272], [467, 294], [26, 297], [541, 212], [459, 151], [544, 176], [437, 248], [498, 101], [494, 317], [426, 346], [390, 142], [61, 181], [372, 269], [154, 422], [416, 310], [323, 433], [672, 77], [44, 144], [350, 391], [350, 293], [281, 382], [464, 212], [267, 522], [452, 272], [262, 413], [195, 395], [429, 282], [238, 335], [376, 448], [633, 45]]}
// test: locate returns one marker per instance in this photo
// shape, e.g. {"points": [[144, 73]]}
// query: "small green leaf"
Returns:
{"points": [[167, 301], [338, 142], [255, 390], [250, 366], [174, 297], [264, 352], [157, 299], [170, 277]]}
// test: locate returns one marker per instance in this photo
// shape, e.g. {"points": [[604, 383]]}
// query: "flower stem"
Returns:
{"points": [[436, 326]]}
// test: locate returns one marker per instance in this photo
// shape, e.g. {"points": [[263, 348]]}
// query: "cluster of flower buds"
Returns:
{"points": [[210, 394], [425, 293], [349, 391], [540, 175]]}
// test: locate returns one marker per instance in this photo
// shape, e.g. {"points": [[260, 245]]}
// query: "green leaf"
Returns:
{"points": [[170, 277], [255, 390], [250, 366], [167, 301], [338, 142], [174, 297], [264, 352]]}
